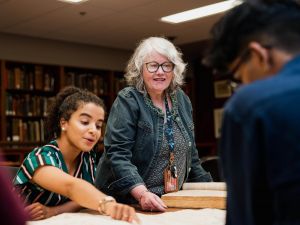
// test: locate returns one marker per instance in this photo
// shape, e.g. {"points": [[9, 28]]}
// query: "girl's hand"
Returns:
{"points": [[123, 212], [37, 211]]}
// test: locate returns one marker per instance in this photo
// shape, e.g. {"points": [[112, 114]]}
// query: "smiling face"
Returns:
{"points": [[83, 130], [157, 82]]}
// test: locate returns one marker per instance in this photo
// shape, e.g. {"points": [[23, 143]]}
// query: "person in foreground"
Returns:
{"points": [[64, 168], [11, 208], [149, 141], [259, 43]]}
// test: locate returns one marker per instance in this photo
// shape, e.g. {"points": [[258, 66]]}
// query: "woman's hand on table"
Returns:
{"points": [[151, 202]]}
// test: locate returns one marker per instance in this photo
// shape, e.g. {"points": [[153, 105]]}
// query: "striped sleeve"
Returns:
{"points": [[46, 155], [92, 165], [89, 167]]}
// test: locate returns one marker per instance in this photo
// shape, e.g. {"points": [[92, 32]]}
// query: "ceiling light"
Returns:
{"points": [[201, 12], [73, 1]]}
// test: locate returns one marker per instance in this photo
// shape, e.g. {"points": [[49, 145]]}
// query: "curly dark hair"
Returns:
{"points": [[272, 23], [66, 103]]}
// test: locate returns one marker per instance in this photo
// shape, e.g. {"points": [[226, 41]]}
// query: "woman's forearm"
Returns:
{"points": [[85, 194]]}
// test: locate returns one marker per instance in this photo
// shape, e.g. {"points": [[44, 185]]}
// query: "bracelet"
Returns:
{"points": [[102, 204], [142, 194]]}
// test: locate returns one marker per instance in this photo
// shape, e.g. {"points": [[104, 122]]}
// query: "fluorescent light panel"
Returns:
{"points": [[201, 12], [73, 1]]}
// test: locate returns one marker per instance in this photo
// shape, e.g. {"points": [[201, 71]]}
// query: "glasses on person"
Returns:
{"points": [[153, 67], [242, 58], [232, 76]]}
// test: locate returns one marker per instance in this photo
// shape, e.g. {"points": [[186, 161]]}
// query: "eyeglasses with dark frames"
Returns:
{"points": [[233, 77], [153, 67], [242, 58]]}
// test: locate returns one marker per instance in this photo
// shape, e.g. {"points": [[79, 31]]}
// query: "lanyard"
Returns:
{"points": [[169, 129], [170, 139]]}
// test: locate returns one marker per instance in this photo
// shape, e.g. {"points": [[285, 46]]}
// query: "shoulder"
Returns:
{"points": [[246, 101], [180, 93], [261, 96], [127, 104], [40, 156], [129, 92], [182, 98], [48, 149], [48, 154], [129, 97]]}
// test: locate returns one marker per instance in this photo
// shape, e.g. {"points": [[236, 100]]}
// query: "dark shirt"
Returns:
{"points": [[11, 208], [155, 180], [260, 150]]}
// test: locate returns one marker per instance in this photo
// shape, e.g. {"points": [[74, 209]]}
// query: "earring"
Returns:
{"points": [[62, 129]]}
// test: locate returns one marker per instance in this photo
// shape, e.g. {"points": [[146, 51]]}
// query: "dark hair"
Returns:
{"points": [[272, 23], [66, 103]]}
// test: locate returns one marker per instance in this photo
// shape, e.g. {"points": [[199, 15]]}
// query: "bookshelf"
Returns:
{"points": [[27, 89], [119, 83], [96, 81]]}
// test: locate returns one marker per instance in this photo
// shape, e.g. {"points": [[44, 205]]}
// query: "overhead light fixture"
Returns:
{"points": [[201, 12], [73, 1]]}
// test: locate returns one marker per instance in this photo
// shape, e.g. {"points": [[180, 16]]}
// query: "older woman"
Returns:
{"points": [[149, 142]]}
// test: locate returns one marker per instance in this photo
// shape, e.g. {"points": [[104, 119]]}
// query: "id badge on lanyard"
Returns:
{"points": [[171, 177], [170, 172]]}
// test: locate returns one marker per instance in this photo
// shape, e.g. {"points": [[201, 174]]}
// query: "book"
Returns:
{"points": [[198, 195], [38, 77]]}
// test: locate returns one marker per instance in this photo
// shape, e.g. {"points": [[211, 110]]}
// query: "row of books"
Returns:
{"points": [[95, 83], [32, 78], [22, 131], [27, 105]]}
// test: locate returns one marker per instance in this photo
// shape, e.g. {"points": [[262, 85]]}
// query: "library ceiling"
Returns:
{"points": [[109, 23]]}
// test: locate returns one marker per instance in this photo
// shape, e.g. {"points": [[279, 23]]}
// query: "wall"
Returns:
{"points": [[37, 50]]}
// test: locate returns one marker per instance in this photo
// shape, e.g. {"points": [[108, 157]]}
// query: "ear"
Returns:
{"points": [[62, 122], [261, 54]]}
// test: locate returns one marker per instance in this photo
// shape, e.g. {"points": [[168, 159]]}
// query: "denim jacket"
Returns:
{"points": [[133, 138]]}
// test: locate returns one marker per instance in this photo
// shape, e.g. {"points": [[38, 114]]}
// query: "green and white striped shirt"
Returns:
{"points": [[50, 154]]}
